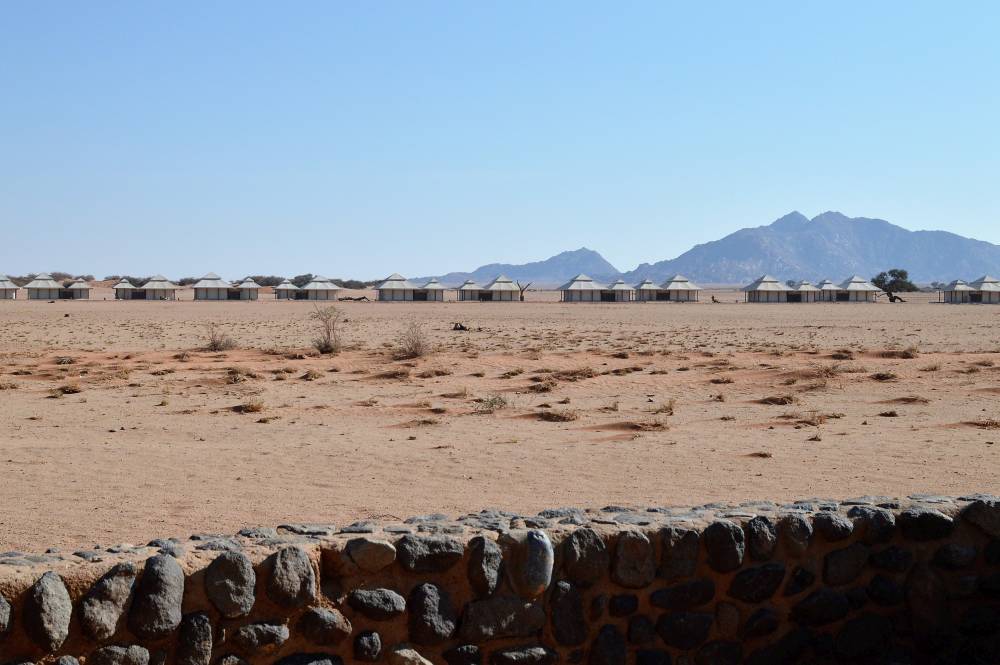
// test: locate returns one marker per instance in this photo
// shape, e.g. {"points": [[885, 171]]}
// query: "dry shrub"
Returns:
{"points": [[622, 371], [545, 385], [778, 400], [65, 360], [311, 375], [458, 394], [931, 368], [432, 372], [511, 373], [909, 399], [252, 405], [842, 354], [236, 375], [620, 354], [182, 357], [761, 455], [575, 374], [557, 416], [815, 419], [491, 403], [413, 342], [721, 380], [666, 408], [654, 425], [422, 422], [987, 423], [889, 414], [8, 385], [327, 319], [884, 376], [395, 373], [218, 339], [908, 353]]}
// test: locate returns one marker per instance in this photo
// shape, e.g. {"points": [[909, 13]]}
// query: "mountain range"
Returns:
{"points": [[830, 245]]}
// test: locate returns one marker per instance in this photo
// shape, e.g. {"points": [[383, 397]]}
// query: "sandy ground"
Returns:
{"points": [[116, 427]]}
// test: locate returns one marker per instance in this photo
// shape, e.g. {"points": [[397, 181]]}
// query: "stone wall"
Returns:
{"points": [[871, 580]]}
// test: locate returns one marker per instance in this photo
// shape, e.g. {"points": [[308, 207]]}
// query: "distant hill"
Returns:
{"points": [[832, 246], [550, 272]]}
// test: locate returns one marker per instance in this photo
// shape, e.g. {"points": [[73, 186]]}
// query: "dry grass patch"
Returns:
{"points": [[575, 374], [546, 385], [8, 385], [721, 380], [491, 403], [664, 409], [218, 339], [889, 414], [432, 372], [253, 405], [908, 399], [908, 353], [557, 416], [778, 400], [987, 423], [458, 394], [311, 375], [885, 376], [396, 373], [413, 342]]}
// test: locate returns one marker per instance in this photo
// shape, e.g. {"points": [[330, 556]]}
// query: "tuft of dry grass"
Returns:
{"points": [[65, 360], [665, 409], [432, 372], [458, 394], [575, 374], [908, 353], [182, 357], [987, 423], [311, 375], [721, 380], [909, 399], [327, 321], [545, 385], [889, 414], [778, 400], [218, 339], [491, 403], [253, 405], [413, 342], [8, 385], [395, 373], [557, 416], [885, 376], [936, 367], [511, 373], [236, 375]]}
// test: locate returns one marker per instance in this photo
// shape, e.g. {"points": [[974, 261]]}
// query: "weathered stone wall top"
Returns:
{"points": [[871, 579]]}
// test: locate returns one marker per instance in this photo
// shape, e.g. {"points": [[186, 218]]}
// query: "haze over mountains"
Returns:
{"points": [[830, 245]]}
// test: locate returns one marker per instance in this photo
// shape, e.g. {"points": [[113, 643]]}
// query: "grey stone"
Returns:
{"points": [[500, 616], [724, 543], [258, 532], [679, 556], [156, 608], [684, 630], [833, 527], [117, 655], [194, 640], [845, 565], [795, 533], [528, 559], [323, 626], [229, 583], [569, 628], [368, 646], [432, 618], [923, 524], [634, 564], [309, 529], [893, 559], [608, 648], [873, 525], [727, 619], [953, 556], [377, 604], [485, 559], [585, 557], [103, 606], [260, 637], [293, 581], [719, 652], [984, 513], [231, 659], [404, 654], [641, 629], [761, 623], [67, 660], [428, 554], [371, 554], [761, 537], [820, 608], [465, 654], [47, 610], [5, 615], [755, 585], [623, 604], [524, 655], [684, 596]]}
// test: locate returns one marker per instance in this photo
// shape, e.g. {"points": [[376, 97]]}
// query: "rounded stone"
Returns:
{"points": [[377, 604], [261, 637], [833, 527], [761, 623], [371, 554], [679, 555], [525, 655], [5, 615], [985, 514], [755, 585], [923, 524], [585, 557], [499, 617], [368, 646], [820, 608], [795, 533], [292, 582], [118, 655], [156, 608], [608, 648], [724, 543], [529, 560], [761, 538], [229, 584], [893, 559], [684, 596], [47, 611], [432, 618], [485, 559], [623, 604], [310, 659], [194, 640], [800, 580], [634, 564], [321, 625], [569, 628], [428, 554], [845, 565], [953, 556], [404, 654], [103, 606], [684, 630], [885, 591], [874, 525]]}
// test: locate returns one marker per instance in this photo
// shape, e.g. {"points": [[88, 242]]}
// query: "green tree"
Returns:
{"points": [[896, 280]]}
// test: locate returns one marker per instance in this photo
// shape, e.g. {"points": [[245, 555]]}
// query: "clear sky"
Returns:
{"points": [[355, 139]]}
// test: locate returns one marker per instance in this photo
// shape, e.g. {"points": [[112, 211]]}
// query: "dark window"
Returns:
{"points": [[663, 295], [794, 297], [420, 295], [843, 296]]}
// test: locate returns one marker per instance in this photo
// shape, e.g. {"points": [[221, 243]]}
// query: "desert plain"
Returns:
{"points": [[118, 425]]}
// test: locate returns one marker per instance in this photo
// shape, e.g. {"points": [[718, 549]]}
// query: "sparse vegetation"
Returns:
{"points": [[252, 405], [884, 376], [218, 339], [327, 320], [557, 416], [778, 400], [413, 342], [491, 403], [908, 353]]}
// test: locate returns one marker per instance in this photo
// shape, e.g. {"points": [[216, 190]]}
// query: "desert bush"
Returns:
{"points": [[218, 339], [413, 342], [889, 414], [545, 385], [311, 375], [491, 403], [8, 385], [884, 376], [908, 353], [665, 409], [328, 339], [557, 416], [252, 405], [778, 400]]}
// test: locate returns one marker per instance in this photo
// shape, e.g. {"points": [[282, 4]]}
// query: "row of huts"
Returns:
{"points": [[986, 289]]}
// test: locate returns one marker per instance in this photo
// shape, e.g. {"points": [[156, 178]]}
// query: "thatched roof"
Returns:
{"points": [[827, 285], [618, 285], [248, 284], [646, 285], [470, 285], [124, 285], [286, 286], [432, 285], [5, 283], [804, 286], [79, 285]]}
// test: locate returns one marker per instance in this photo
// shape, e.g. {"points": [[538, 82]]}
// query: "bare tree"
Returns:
{"points": [[327, 319], [523, 289]]}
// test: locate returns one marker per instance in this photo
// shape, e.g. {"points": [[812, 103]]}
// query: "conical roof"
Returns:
{"points": [[79, 285], [320, 283], [766, 283], [984, 283], [395, 281], [958, 285], [501, 283], [43, 280], [432, 285], [286, 286], [827, 285], [5, 283], [580, 283], [124, 284], [470, 285], [646, 285], [857, 283], [618, 285], [679, 283], [210, 281], [159, 283], [805, 286]]}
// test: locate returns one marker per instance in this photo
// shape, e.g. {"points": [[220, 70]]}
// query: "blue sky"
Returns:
{"points": [[359, 138]]}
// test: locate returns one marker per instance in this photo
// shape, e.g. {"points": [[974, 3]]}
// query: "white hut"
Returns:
{"points": [[827, 291], [680, 289], [156, 287], [857, 289], [432, 291], [617, 291], [287, 291], [804, 292], [8, 289], [320, 288], [469, 291], [647, 291], [43, 287], [986, 290], [395, 288], [958, 292], [501, 288], [78, 290], [248, 289], [212, 287], [766, 289], [581, 289], [124, 289]]}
